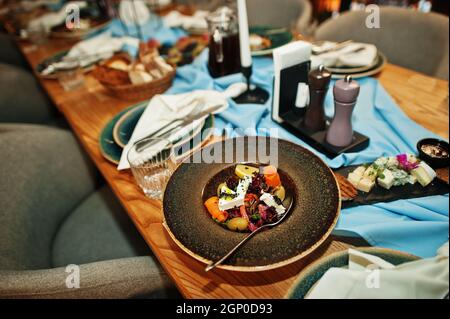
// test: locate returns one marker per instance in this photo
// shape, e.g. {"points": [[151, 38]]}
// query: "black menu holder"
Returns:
{"points": [[293, 116]]}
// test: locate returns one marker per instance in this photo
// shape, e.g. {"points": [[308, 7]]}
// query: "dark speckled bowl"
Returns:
{"points": [[313, 216]]}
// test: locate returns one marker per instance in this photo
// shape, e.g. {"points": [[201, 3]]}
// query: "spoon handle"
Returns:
{"points": [[213, 265]]}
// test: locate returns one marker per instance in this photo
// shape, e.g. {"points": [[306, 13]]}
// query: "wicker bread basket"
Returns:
{"points": [[116, 84], [141, 91]]}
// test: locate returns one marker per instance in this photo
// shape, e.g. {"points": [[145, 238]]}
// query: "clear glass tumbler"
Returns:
{"points": [[70, 75], [152, 162], [37, 34]]}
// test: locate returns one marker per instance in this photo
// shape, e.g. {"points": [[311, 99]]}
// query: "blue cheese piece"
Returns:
{"points": [[392, 162], [237, 200], [381, 162], [270, 201], [387, 179]]}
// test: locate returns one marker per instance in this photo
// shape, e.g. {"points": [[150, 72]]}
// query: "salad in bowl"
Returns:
{"points": [[250, 198]]}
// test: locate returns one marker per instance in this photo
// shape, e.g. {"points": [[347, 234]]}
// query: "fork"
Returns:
{"points": [[213, 265]]}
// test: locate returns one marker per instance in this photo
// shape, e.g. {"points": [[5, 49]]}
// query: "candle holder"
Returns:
{"points": [[255, 95]]}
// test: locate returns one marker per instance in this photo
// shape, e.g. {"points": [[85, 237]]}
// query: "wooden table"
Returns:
{"points": [[88, 109]]}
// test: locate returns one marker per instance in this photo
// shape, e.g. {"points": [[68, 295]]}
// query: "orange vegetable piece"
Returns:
{"points": [[272, 176], [212, 205]]}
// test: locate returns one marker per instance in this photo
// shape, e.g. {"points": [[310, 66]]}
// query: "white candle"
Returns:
{"points": [[244, 37]]}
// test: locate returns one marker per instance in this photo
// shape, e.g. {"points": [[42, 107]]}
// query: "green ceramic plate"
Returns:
{"points": [[311, 274], [112, 151], [279, 37], [123, 130], [377, 68], [108, 147]]}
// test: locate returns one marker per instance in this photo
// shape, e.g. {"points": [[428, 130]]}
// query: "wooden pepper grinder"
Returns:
{"points": [[340, 132], [319, 81]]}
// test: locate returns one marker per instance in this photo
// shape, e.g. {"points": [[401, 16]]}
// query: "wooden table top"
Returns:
{"points": [[88, 109]]}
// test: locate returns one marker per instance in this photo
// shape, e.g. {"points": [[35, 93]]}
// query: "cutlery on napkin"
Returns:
{"points": [[370, 277], [164, 109], [94, 49], [351, 54]]}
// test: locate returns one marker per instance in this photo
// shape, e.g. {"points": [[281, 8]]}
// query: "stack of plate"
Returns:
{"points": [[358, 72], [117, 133]]}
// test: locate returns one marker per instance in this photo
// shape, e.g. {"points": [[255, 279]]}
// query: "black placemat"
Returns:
{"points": [[382, 195]]}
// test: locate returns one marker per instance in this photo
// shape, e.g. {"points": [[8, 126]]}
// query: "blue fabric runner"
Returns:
{"points": [[418, 226]]}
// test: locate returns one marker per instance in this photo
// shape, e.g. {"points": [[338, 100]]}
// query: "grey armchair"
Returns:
{"points": [[276, 13], [411, 39], [18, 107], [281, 14], [9, 53], [53, 214]]}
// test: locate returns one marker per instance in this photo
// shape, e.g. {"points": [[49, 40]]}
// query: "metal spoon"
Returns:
{"points": [[213, 265]]}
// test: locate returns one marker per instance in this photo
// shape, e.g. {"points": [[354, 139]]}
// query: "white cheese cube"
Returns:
{"points": [[365, 185], [229, 204], [388, 179], [370, 174], [270, 201], [359, 171], [354, 178], [424, 174]]}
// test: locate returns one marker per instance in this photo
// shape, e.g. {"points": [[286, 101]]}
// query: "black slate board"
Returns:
{"points": [[381, 195]]}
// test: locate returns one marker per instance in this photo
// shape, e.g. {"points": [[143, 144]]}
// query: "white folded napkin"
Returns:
{"points": [[52, 19], [162, 109], [197, 21], [370, 277], [351, 55], [134, 12], [100, 47]]}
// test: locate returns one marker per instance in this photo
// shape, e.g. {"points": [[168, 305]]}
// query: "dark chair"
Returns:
{"points": [[22, 100]]}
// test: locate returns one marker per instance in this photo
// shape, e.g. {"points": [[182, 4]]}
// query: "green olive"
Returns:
{"points": [[280, 192], [219, 189], [238, 224]]}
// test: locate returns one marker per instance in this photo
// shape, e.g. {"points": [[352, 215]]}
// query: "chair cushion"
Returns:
{"points": [[99, 229], [17, 107], [44, 177]]}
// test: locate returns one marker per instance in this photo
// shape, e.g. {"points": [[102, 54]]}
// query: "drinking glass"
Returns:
{"points": [[37, 34], [152, 162], [70, 75]]}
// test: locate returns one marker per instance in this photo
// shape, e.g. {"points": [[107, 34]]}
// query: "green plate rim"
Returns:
{"points": [[269, 51], [209, 124], [314, 267], [121, 142]]}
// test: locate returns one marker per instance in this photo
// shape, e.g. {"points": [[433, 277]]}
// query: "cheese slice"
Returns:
{"points": [[365, 185], [270, 201], [388, 179]]}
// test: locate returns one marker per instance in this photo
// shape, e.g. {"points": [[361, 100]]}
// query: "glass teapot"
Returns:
{"points": [[224, 50]]}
